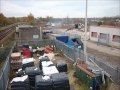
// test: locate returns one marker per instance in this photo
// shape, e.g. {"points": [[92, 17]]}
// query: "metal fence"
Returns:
{"points": [[76, 54], [70, 52], [5, 71], [112, 72], [34, 43]]}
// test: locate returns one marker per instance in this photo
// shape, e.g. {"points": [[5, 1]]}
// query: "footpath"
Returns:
{"points": [[102, 48]]}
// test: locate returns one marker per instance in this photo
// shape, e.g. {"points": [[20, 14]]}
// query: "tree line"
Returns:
{"points": [[112, 21], [10, 20], [29, 18]]}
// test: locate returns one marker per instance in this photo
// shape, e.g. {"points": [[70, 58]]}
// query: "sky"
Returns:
{"points": [[60, 8]]}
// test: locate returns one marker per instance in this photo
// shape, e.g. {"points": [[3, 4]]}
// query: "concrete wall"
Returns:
{"points": [[28, 33], [105, 30]]}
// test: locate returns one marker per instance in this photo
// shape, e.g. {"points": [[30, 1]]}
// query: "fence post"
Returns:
{"points": [[118, 75], [79, 54], [74, 54], [62, 47], [3, 80]]}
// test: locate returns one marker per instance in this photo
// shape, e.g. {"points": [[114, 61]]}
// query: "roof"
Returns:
{"points": [[24, 26], [28, 28], [85, 70], [57, 35], [107, 26]]}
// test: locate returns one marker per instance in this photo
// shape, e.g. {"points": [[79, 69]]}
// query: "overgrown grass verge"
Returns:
{"points": [[4, 52]]}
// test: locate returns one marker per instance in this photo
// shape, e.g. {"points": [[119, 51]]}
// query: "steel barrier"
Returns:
{"points": [[74, 54], [5, 71]]}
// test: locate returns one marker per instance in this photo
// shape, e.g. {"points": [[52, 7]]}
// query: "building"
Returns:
{"points": [[28, 33], [106, 35]]}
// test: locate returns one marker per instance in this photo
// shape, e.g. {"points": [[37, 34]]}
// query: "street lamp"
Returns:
{"points": [[85, 46]]}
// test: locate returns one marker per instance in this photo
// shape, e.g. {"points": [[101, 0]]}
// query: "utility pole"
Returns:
{"points": [[85, 46]]}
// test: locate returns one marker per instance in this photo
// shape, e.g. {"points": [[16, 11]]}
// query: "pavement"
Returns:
{"points": [[107, 54], [103, 48]]}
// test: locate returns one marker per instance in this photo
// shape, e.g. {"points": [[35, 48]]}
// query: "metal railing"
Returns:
{"points": [[70, 52], [74, 54], [5, 71], [35, 43]]}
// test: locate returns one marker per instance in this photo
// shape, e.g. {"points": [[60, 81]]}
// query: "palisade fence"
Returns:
{"points": [[74, 54], [5, 71], [35, 43]]}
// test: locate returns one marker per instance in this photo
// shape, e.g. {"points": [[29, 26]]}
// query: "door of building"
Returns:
{"points": [[103, 38]]}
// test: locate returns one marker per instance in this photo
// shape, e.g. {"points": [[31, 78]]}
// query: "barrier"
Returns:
{"points": [[5, 71], [76, 54]]}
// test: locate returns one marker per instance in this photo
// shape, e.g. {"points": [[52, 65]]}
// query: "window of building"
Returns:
{"points": [[94, 34], [116, 38], [103, 36]]}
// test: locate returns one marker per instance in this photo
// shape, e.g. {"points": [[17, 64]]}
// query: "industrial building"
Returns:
{"points": [[106, 35]]}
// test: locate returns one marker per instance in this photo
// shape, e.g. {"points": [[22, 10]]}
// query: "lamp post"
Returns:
{"points": [[85, 46]]}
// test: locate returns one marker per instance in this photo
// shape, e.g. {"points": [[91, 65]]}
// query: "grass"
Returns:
{"points": [[1, 64], [75, 82], [104, 87], [7, 45], [3, 55], [5, 27]]}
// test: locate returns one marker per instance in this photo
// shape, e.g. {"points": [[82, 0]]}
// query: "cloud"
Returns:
{"points": [[60, 8], [103, 8], [10, 9]]}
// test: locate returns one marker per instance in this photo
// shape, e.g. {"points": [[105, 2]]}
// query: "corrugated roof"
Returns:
{"points": [[85, 70]]}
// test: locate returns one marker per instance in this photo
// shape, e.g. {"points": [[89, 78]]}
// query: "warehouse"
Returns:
{"points": [[108, 35]]}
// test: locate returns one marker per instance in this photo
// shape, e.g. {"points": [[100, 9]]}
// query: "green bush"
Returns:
{"points": [[99, 23], [4, 53], [15, 49]]}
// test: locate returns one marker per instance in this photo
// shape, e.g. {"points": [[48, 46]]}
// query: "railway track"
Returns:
{"points": [[5, 33]]}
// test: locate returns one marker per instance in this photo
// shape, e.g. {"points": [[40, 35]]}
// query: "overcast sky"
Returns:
{"points": [[59, 8]]}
